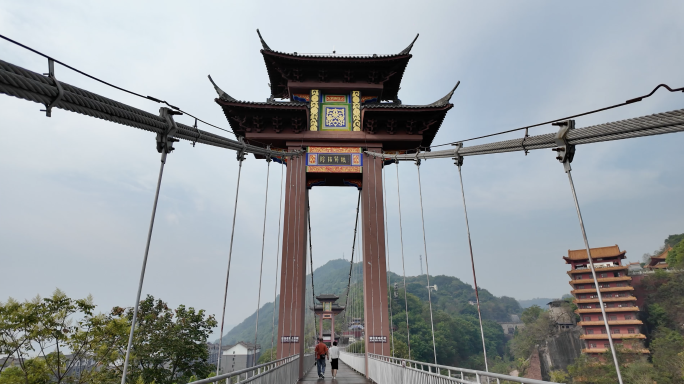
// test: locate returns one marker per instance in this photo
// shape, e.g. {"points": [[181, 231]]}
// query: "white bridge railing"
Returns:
{"points": [[391, 370], [282, 371]]}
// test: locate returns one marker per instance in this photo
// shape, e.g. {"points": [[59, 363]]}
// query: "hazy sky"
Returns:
{"points": [[76, 192]]}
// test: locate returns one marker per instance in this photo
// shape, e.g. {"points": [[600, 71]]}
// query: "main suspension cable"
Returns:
{"points": [[403, 267], [472, 263], [261, 265], [630, 101], [109, 84], [241, 158], [427, 267], [275, 286]]}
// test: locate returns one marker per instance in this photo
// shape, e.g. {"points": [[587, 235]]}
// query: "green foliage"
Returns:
{"points": [[675, 258], [358, 347], [33, 371], [538, 327], [268, 355], [667, 352], [169, 345], [673, 240], [559, 376]]}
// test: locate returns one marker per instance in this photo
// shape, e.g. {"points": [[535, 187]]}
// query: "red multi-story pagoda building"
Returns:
{"points": [[332, 108], [616, 290]]}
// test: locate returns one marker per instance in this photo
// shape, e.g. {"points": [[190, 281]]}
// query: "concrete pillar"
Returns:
{"points": [[321, 325], [293, 273], [376, 316]]}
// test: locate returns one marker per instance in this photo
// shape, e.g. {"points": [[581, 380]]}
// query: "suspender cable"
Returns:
{"points": [[427, 268], [472, 263], [261, 266], [377, 247], [403, 268], [593, 274], [275, 286], [389, 270], [144, 265], [351, 263], [241, 158], [313, 290]]}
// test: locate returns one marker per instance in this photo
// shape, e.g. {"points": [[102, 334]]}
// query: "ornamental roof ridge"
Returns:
{"points": [[222, 95], [407, 50], [226, 97], [404, 52], [444, 101], [263, 43]]}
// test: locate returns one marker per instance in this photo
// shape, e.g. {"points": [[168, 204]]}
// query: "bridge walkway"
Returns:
{"points": [[345, 375]]}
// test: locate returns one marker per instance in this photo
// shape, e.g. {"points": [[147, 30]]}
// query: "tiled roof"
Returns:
{"points": [[602, 252], [404, 52], [326, 296], [443, 102]]}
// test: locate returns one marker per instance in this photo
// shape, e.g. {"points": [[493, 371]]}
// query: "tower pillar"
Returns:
{"points": [[293, 273], [376, 316]]}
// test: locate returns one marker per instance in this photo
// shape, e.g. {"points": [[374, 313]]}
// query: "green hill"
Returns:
{"points": [[451, 298]]}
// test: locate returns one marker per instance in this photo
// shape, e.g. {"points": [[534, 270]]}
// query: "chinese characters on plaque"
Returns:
{"points": [[289, 339], [334, 160], [377, 339]]}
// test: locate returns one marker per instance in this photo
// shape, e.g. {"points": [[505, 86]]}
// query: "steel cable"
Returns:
{"points": [[275, 286], [427, 267], [261, 265], [24, 84], [241, 157], [655, 124], [472, 263], [403, 268]]}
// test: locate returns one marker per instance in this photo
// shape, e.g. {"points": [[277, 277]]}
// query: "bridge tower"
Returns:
{"points": [[334, 107]]}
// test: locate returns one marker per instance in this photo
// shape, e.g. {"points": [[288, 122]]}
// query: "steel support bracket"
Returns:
{"points": [[566, 152], [458, 159], [242, 152], [165, 139], [60, 90]]}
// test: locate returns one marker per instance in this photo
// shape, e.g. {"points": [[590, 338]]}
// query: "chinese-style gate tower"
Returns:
{"points": [[334, 107]]}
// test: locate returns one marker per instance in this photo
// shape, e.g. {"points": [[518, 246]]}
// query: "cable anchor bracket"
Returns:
{"points": [[165, 139], [199, 133], [60, 90], [243, 151], [458, 158], [566, 152]]}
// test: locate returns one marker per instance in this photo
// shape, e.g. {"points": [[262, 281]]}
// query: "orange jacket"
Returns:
{"points": [[321, 350]]}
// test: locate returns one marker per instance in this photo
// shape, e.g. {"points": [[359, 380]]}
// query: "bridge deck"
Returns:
{"points": [[345, 375]]}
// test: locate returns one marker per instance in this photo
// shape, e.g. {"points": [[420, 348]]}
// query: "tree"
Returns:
{"points": [[675, 258], [668, 359], [169, 345]]}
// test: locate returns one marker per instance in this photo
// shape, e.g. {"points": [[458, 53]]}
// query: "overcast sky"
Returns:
{"points": [[76, 192]]}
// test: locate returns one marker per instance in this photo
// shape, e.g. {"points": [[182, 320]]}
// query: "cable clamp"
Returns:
{"points": [[566, 152], [458, 159], [165, 139], [60, 90], [199, 134], [270, 154], [417, 160], [523, 141], [241, 153]]}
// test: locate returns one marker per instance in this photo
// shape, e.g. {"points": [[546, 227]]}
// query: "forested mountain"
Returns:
{"points": [[450, 304]]}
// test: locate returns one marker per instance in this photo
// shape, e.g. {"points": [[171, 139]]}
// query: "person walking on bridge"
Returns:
{"points": [[321, 354], [334, 359]]}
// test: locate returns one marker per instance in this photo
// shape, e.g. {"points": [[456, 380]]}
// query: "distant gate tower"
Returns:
{"points": [[334, 107]]}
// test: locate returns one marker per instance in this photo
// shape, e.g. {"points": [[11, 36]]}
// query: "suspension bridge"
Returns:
{"points": [[342, 125]]}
